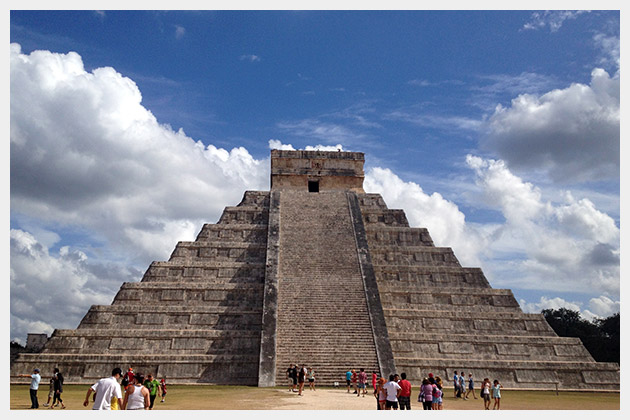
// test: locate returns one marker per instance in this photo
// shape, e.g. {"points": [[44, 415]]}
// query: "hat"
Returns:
{"points": [[35, 370], [430, 375]]}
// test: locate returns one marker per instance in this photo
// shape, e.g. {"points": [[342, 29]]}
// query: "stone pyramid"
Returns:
{"points": [[316, 272]]}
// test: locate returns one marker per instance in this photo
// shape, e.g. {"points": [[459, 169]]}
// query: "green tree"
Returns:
{"points": [[600, 337]]}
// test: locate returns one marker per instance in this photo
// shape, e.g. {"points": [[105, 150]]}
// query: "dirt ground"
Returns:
{"points": [[206, 397]]}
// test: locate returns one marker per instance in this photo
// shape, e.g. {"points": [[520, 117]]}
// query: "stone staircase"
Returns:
{"points": [[323, 319], [442, 317]]}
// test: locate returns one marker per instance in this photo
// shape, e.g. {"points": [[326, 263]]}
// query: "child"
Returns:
{"points": [[163, 388], [496, 394]]}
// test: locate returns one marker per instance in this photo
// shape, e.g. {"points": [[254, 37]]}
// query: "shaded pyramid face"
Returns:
{"points": [[318, 273]]}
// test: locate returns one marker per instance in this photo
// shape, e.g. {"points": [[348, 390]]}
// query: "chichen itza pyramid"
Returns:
{"points": [[316, 271]]}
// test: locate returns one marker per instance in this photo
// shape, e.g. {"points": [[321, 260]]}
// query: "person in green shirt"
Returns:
{"points": [[154, 386]]}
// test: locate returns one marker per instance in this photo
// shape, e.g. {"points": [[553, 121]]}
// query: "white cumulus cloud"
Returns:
{"points": [[571, 133], [562, 245]]}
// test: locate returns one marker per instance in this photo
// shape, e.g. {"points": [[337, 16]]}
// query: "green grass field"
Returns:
{"points": [[212, 397]]}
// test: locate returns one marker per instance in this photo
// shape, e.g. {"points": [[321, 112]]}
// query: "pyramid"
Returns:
{"points": [[316, 272]]}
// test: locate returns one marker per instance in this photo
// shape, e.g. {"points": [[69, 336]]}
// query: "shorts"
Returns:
{"points": [[348, 382], [361, 385], [471, 387], [311, 380], [294, 381], [391, 404], [486, 397]]}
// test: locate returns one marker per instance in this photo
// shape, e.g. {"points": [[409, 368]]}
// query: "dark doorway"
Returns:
{"points": [[313, 186]]}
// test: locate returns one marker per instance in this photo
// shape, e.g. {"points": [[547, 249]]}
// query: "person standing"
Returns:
{"points": [[105, 389], [405, 392], [374, 380], [354, 380], [58, 388], [311, 378], [392, 392], [381, 395], [485, 393], [348, 379], [437, 394], [163, 388], [35, 380], [455, 384], [153, 386], [362, 382], [301, 377], [136, 395], [462, 385], [427, 391], [290, 377], [496, 394]]}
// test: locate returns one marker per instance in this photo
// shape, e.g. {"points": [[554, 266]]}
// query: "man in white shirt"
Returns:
{"points": [[35, 380], [392, 389], [105, 389]]}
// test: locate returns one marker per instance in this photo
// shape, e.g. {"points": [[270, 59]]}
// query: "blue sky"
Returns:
{"points": [[497, 130]]}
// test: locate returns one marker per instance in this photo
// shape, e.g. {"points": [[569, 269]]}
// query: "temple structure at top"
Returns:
{"points": [[316, 272]]}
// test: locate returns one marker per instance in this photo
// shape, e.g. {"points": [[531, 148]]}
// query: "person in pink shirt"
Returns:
{"points": [[362, 382], [426, 390]]}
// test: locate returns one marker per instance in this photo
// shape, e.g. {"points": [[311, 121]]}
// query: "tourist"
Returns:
{"points": [[291, 374], [35, 380], [153, 386], [163, 388], [485, 393], [455, 384], [496, 394], [354, 380], [380, 394], [348, 379], [405, 392], [392, 392], [471, 386], [362, 380], [301, 376], [311, 378], [437, 394], [58, 386], [462, 385], [137, 396], [51, 390], [128, 378], [426, 391], [105, 389], [374, 380]]}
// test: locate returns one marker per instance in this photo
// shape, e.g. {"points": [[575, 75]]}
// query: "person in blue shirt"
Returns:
{"points": [[35, 380], [455, 384], [471, 387], [348, 379]]}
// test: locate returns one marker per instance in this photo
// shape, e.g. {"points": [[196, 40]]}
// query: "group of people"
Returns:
{"points": [[297, 376], [488, 390], [358, 381], [395, 393], [107, 394], [54, 392]]}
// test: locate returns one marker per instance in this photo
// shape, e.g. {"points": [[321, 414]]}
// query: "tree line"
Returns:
{"points": [[600, 336]]}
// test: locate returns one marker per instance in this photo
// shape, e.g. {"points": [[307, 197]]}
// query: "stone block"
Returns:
{"points": [[536, 376]]}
